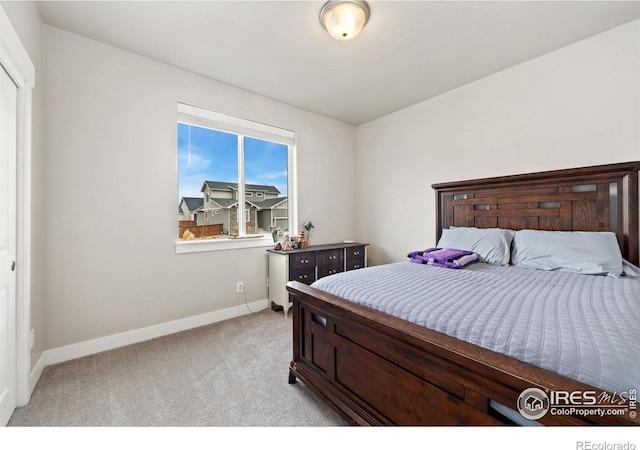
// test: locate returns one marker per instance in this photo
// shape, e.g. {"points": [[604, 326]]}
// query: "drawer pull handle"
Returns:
{"points": [[318, 319]]}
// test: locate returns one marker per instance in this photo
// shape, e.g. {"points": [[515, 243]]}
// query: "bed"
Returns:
{"points": [[403, 365]]}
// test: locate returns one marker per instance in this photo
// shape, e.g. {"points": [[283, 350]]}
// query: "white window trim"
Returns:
{"points": [[243, 127], [229, 124], [222, 244]]}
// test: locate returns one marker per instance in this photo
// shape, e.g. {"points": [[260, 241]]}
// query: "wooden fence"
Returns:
{"points": [[199, 231]]}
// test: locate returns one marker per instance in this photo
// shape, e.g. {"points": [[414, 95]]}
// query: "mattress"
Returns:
{"points": [[585, 327]]}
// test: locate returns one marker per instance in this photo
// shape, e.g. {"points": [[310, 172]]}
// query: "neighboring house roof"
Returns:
{"points": [[272, 202], [193, 203], [223, 202], [224, 186], [229, 202]]}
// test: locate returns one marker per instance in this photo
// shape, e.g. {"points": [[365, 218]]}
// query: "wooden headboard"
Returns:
{"points": [[597, 198]]}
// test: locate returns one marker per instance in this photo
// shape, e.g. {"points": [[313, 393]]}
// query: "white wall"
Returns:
{"points": [[112, 165], [577, 106]]}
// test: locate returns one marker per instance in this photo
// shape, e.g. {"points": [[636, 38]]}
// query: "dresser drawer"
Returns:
{"points": [[301, 261], [354, 264], [306, 276], [355, 253], [331, 257], [323, 271]]}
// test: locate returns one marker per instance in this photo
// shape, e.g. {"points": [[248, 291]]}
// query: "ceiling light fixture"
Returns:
{"points": [[344, 19]]}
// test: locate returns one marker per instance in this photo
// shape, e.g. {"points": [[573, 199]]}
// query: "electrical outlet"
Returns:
{"points": [[239, 286]]}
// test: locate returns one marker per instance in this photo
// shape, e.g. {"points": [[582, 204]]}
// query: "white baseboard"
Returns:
{"points": [[35, 374], [86, 348]]}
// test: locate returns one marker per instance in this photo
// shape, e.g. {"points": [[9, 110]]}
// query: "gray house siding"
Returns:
{"points": [[219, 206]]}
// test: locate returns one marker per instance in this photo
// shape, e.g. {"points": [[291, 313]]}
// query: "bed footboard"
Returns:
{"points": [[375, 369]]}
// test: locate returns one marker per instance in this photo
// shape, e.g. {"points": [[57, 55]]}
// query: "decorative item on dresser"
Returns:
{"points": [[307, 265]]}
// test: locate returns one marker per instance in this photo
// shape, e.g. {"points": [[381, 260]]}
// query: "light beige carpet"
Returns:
{"points": [[232, 373]]}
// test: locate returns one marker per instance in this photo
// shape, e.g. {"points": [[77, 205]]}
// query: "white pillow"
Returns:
{"points": [[493, 245], [586, 252]]}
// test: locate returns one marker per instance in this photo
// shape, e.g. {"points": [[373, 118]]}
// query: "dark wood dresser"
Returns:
{"points": [[310, 264]]}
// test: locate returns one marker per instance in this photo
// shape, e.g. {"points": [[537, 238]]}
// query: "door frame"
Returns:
{"points": [[15, 60]]}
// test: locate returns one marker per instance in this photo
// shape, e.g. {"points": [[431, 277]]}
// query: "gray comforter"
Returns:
{"points": [[585, 327]]}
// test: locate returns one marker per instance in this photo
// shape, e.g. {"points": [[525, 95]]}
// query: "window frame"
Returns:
{"points": [[202, 117]]}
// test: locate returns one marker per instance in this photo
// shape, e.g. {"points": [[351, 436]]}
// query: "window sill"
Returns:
{"points": [[212, 245]]}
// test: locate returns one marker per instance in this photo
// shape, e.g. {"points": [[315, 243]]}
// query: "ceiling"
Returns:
{"points": [[408, 52]]}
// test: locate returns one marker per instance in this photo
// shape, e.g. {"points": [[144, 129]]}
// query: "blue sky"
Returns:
{"points": [[213, 156]]}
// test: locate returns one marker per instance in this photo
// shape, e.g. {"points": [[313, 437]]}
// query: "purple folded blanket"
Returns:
{"points": [[450, 258]]}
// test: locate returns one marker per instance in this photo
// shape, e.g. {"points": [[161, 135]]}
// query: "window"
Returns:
{"points": [[222, 161]]}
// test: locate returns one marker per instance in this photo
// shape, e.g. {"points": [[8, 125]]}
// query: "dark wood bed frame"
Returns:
{"points": [[376, 369]]}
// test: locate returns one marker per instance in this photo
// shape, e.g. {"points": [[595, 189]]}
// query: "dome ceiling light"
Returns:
{"points": [[344, 19]]}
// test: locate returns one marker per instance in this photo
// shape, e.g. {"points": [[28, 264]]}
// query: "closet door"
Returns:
{"points": [[8, 117]]}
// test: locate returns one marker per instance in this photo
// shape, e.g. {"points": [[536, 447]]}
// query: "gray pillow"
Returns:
{"points": [[585, 252], [630, 270], [493, 245]]}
